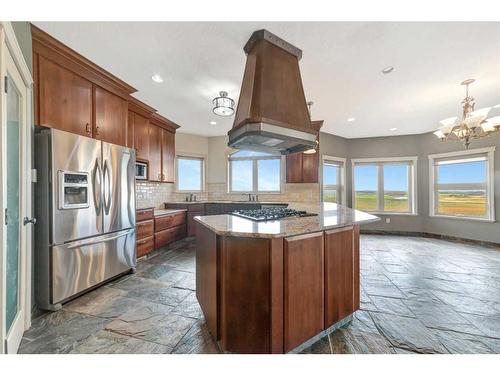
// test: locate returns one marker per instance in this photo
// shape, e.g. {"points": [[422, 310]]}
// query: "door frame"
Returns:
{"points": [[9, 45]]}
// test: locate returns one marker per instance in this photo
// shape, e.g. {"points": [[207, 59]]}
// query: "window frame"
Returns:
{"points": [[255, 174], [203, 172], [412, 161], [487, 152], [340, 188]]}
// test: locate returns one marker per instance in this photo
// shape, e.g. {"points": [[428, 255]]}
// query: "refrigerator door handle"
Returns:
{"points": [[101, 239], [107, 187], [97, 175]]}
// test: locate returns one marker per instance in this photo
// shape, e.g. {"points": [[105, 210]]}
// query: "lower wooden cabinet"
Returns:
{"points": [[144, 246], [303, 288], [167, 236], [341, 274], [153, 232]]}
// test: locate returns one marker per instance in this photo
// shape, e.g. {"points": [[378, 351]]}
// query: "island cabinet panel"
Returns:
{"points": [[207, 277], [111, 116], [245, 295], [341, 275], [304, 311], [155, 172], [64, 99]]}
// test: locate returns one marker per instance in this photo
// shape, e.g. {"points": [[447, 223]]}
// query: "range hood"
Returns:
{"points": [[272, 114]]}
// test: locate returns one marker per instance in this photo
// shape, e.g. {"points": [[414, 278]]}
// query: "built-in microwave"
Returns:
{"points": [[141, 170]]}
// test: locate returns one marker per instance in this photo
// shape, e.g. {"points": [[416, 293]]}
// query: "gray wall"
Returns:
{"points": [[420, 145]]}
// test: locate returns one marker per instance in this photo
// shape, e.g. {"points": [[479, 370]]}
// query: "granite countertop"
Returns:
{"points": [[330, 216], [236, 202], [162, 211]]}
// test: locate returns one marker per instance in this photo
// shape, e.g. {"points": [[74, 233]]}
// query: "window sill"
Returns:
{"points": [[465, 218], [388, 213]]}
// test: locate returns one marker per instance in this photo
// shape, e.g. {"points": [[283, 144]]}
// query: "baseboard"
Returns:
{"points": [[493, 245]]}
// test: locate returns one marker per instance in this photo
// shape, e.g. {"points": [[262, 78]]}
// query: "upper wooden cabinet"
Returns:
{"points": [[139, 114], [304, 168], [155, 168], [111, 116], [162, 137], [66, 98], [168, 155], [75, 95]]}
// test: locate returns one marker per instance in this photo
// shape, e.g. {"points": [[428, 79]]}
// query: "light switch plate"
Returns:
{"points": [[34, 177], [388, 220]]}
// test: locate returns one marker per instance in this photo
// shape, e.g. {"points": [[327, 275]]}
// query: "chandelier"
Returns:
{"points": [[223, 105], [474, 124]]}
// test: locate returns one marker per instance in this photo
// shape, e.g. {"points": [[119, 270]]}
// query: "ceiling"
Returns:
{"points": [[341, 68]]}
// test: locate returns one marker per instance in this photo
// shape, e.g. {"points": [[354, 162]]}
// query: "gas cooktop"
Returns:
{"points": [[267, 214]]}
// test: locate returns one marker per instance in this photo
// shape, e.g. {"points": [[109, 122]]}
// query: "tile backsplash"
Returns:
{"points": [[154, 194]]}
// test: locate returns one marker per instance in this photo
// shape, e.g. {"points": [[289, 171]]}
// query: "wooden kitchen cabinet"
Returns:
{"points": [[155, 144], [167, 155], [141, 137], [303, 288], [111, 117], [341, 274], [64, 99], [304, 168], [75, 95]]}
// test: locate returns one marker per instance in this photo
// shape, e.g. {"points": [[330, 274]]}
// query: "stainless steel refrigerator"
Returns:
{"points": [[85, 210]]}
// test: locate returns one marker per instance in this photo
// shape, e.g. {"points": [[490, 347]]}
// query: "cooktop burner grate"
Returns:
{"points": [[267, 214]]}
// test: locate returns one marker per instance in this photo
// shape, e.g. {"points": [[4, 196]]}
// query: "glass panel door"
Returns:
{"points": [[12, 214]]}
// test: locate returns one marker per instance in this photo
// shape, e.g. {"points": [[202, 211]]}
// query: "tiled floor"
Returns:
{"points": [[418, 296]]}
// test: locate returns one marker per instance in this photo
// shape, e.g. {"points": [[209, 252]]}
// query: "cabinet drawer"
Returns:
{"points": [[169, 235], [169, 221], [141, 215], [144, 246], [144, 229]]}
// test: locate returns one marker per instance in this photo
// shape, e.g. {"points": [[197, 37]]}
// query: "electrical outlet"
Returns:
{"points": [[388, 220]]}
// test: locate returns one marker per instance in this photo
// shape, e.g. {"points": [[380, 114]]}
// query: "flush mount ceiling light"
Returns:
{"points": [[223, 105], [387, 69], [351, 119], [157, 78], [474, 124], [393, 129], [213, 123]]}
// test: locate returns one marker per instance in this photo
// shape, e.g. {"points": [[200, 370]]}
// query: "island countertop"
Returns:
{"points": [[330, 216]]}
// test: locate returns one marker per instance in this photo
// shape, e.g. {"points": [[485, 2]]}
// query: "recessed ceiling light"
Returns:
{"points": [[213, 123], [496, 106], [387, 69], [392, 129], [157, 78], [351, 119]]}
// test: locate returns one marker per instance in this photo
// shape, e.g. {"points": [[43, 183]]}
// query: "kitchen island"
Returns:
{"points": [[273, 286]]}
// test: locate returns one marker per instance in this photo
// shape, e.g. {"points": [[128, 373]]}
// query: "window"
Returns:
{"points": [[254, 172], [385, 185], [190, 173], [461, 184], [333, 177]]}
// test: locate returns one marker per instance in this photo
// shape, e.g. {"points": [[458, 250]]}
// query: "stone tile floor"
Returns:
{"points": [[418, 296]]}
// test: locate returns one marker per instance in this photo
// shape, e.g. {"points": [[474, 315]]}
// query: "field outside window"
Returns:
{"points": [[384, 186]]}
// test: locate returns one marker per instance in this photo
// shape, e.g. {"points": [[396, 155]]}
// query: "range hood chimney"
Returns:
{"points": [[272, 114]]}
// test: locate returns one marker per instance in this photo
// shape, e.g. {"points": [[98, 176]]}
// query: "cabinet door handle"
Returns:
{"points": [[142, 241], [87, 127], [97, 130]]}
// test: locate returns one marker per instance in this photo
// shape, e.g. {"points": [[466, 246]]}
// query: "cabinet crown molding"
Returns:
{"points": [[51, 48]]}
